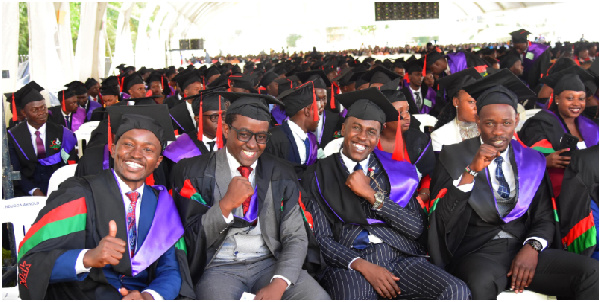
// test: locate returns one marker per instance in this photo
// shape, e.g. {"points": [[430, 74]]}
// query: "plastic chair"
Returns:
{"points": [[524, 117], [425, 120], [526, 295], [21, 212], [83, 135], [59, 176]]}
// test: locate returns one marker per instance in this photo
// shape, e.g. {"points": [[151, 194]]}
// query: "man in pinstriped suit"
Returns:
{"points": [[369, 240]]}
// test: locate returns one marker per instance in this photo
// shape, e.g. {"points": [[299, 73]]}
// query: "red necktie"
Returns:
{"points": [[131, 228], [245, 172]]}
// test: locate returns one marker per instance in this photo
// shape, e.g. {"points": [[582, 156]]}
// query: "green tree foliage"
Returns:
{"points": [[75, 11], [291, 39], [23, 29]]}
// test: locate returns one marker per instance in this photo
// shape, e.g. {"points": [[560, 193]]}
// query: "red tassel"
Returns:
{"points": [[424, 68], [64, 109], [109, 136], [550, 100], [14, 109], [314, 105], [200, 117], [333, 93], [399, 143], [150, 179], [220, 127], [122, 81]]}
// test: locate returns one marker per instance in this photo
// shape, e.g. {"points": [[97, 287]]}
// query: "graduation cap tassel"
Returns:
{"points": [[314, 104], [220, 127], [121, 84], [425, 66], [14, 109], [64, 109], [550, 100], [200, 116], [109, 136], [399, 142]]}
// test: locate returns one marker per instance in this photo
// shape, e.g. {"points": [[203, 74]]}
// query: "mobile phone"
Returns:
{"points": [[568, 141]]}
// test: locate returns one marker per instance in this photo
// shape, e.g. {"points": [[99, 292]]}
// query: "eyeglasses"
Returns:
{"points": [[213, 117], [245, 136]]}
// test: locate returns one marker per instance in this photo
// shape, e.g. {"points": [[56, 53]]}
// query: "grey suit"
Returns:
{"points": [[281, 226]]}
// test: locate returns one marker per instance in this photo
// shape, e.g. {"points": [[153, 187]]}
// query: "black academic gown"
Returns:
{"points": [[169, 161], [172, 101], [24, 159], [283, 145], [86, 224], [465, 221], [55, 115], [182, 121]]}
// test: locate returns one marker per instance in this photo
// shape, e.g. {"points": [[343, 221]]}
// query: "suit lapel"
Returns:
{"points": [[222, 174], [182, 115], [147, 210], [293, 153], [53, 136], [23, 138], [200, 145]]}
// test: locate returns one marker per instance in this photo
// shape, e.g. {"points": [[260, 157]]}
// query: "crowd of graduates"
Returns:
{"points": [[311, 177]]}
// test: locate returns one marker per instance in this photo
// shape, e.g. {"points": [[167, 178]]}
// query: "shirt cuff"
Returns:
{"points": [[350, 264], [79, 267], [33, 190], [465, 187], [229, 218], [541, 240], [284, 279], [154, 294]]}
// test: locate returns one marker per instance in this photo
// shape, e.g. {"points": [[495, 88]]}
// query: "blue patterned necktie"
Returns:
{"points": [[503, 188], [358, 167], [131, 228]]}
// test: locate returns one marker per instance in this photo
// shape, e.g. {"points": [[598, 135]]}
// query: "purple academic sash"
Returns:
{"points": [[314, 146], [252, 213], [537, 49], [105, 158], [93, 105], [322, 127], [344, 112], [182, 147], [278, 114], [457, 61], [530, 170], [77, 119], [67, 145], [158, 240], [402, 175]]}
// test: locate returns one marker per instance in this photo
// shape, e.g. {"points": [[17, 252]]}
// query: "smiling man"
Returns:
{"points": [[367, 220], [240, 209], [492, 224], [110, 236]]}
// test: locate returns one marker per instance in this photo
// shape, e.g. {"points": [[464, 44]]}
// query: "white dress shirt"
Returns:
{"points": [[299, 137], [510, 179], [206, 140], [66, 117], [32, 131], [414, 95], [350, 164], [320, 126], [80, 268]]}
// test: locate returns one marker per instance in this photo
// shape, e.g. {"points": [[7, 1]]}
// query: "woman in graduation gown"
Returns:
{"points": [[545, 130], [456, 122]]}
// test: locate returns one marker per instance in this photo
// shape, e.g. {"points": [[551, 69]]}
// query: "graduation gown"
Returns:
{"points": [[332, 124], [427, 93], [185, 146], [543, 132], [35, 173], [97, 159], [578, 230], [282, 144], [172, 101], [77, 118], [461, 222], [182, 121], [200, 182], [91, 106], [76, 217]]}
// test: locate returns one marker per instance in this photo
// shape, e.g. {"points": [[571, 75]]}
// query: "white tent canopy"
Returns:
{"points": [[249, 27]]}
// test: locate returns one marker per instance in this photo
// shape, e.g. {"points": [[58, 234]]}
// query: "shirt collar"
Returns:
{"points": [[42, 129], [504, 154], [415, 91], [124, 187], [296, 130], [234, 164], [206, 139], [350, 164]]}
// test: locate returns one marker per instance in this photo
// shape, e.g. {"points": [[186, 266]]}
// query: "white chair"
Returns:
{"points": [[524, 117], [59, 176], [21, 212], [333, 146], [83, 134], [526, 295], [425, 120]]}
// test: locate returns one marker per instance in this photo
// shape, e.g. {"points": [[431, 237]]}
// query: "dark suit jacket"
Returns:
{"points": [[281, 222], [333, 123], [24, 159], [464, 221], [182, 121]]}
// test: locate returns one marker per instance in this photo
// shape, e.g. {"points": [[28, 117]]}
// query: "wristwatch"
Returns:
{"points": [[535, 244], [379, 198]]}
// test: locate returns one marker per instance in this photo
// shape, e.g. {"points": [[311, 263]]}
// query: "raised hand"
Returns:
{"points": [[109, 251]]}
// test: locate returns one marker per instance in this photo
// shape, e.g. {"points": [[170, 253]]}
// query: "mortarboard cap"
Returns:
{"points": [[110, 86], [368, 104], [187, 77], [283, 85], [242, 81], [503, 87], [132, 79], [570, 78], [252, 105], [508, 60], [267, 78], [318, 77], [455, 82], [27, 94], [77, 87], [519, 36], [296, 99], [89, 83], [154, 118], [379, 75]]}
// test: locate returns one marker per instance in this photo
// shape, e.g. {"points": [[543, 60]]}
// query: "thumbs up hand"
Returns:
{"points": [[109, 251]]}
